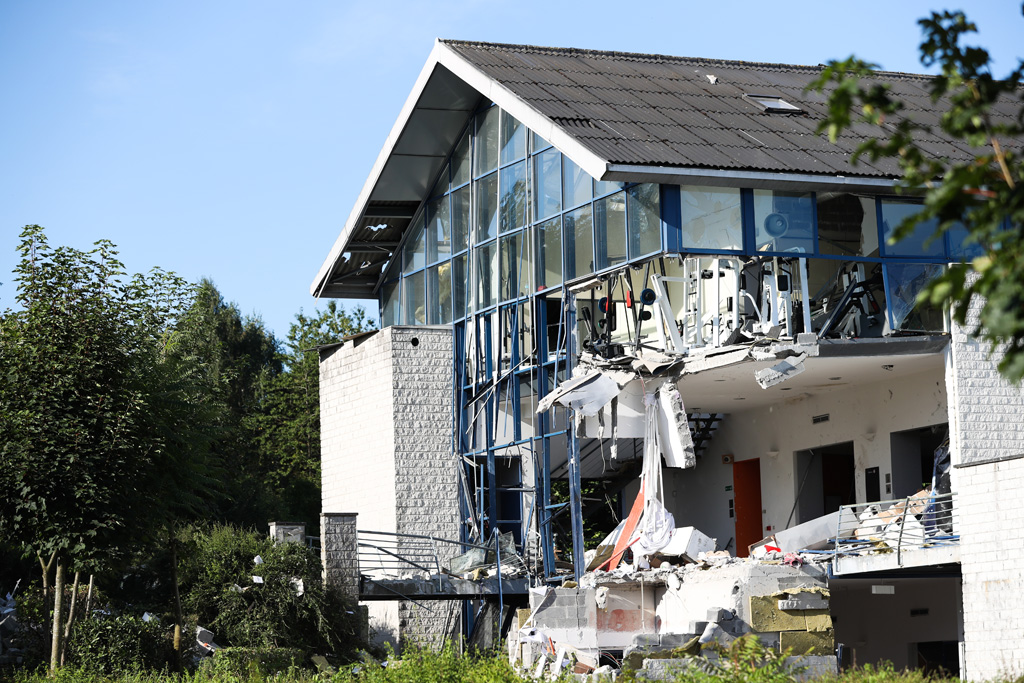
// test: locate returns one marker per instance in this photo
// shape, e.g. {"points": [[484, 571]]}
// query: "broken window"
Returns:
{"points": [[486, 256], [712, 218], [486, 207], [644, 220], [549, 257], [610, 230], [460, 278], [516, 265], [904, 282], [784, 221], [847, 225]]}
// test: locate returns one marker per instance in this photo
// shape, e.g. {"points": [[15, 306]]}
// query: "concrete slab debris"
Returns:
{"points": [[812, 535], [807, 643], [674, 437], [780, 372]]}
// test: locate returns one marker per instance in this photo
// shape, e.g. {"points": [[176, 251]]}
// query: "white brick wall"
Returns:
{"points": [[386, 431], [987, 421]]}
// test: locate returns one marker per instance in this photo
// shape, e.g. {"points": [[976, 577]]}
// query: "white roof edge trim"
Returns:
{"points": [[642, 173], [378, 168], [527, 115]]}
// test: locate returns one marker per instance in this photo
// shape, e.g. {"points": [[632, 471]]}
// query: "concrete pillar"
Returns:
{"points": [[288, 532], [339, 551]]}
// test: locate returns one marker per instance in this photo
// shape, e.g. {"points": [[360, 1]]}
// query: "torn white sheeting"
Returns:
{"points": [[587, 394], [674, 429], [781, 371]]}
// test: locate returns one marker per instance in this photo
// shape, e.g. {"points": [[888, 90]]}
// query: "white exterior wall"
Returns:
{"points": [[864, 414], [386, 450], [988, 414]]}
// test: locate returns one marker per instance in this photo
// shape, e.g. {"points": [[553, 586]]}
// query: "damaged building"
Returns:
{"points": [[641, 291]]}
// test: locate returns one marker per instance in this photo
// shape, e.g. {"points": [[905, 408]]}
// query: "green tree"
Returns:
{"points": [[99, 438], [286, 425], [984, 192]]}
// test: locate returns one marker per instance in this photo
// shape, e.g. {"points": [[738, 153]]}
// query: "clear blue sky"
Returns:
{"points": [[229, 139]]}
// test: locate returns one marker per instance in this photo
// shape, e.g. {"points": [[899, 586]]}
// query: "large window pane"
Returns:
{"points": [[539, 143], [547, 183], [644, 220], [485, 257], [486, 143], [513, 197], [577, 185], [579, 242], [516, 265], [415, 251], [391, 307], [712, 218], [513, 139], [917, 243], [605, 186], [460, 162], [847, 225], [783, 221], [460, 285], [959, 247], [441, 186], [610, 230], [486, 207], [905, 281], [415, 300], [460, 219], [549, 259], [439, 230], [440, 290]]}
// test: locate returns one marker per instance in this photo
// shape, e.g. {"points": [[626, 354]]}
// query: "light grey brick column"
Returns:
{"points": [[339, 551]]}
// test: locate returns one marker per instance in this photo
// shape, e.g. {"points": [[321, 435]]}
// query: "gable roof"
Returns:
{"points": [[619, 116]]}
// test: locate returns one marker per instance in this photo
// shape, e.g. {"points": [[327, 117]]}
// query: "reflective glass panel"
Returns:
{"points": [[905, 281], [460, 162], [577, 185], [440, 291], [549, 259], [539, 143], [460, 280], [486, 257], [783, 221], [439, 230], [712, 218], [415, 251], [547, 183], [960, 247], [441, 186], [527, 404], [390, 311], [847, 225], [610, 230], [919, 242], [513, 197], [486, 143], [579, 242], [486, 207], [644, 220], [460, 219], [513, 139], [415, 300], [605, 186], [516, 265]]}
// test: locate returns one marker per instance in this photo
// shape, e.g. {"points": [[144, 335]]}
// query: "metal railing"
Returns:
{"points": [[916, 522], [384, 554]]}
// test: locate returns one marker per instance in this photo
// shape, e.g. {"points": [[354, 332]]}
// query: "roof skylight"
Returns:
{"points": [[771, 104]]}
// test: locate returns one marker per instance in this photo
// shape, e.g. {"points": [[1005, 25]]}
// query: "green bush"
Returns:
{"points": [[117, 644], [216, 577], [253, 662], [420, 665]]}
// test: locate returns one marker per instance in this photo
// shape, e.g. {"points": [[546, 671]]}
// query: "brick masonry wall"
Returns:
{"points": [[425, 463], [987, 423]]}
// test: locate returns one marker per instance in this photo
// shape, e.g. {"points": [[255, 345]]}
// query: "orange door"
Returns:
{"points": [[746, 485]]}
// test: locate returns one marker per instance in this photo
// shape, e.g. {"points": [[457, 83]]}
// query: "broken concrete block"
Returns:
{"points": [[718, 614], [687, 542], [807, 643], [781, 371], [646, 639], [765, 616], [674, 437], [818, 620], [676, 640], [698, 626], [812, 535], [799, 601]]}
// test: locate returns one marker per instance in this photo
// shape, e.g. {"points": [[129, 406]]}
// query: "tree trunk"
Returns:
{"points": [[46, 567], [177, 603], [58, 613], [88, 598], [71, 619]]}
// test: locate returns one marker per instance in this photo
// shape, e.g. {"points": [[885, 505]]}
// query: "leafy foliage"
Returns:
{"points": [[95, 419], [218, 588], [985, 193], [122, 643]]}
